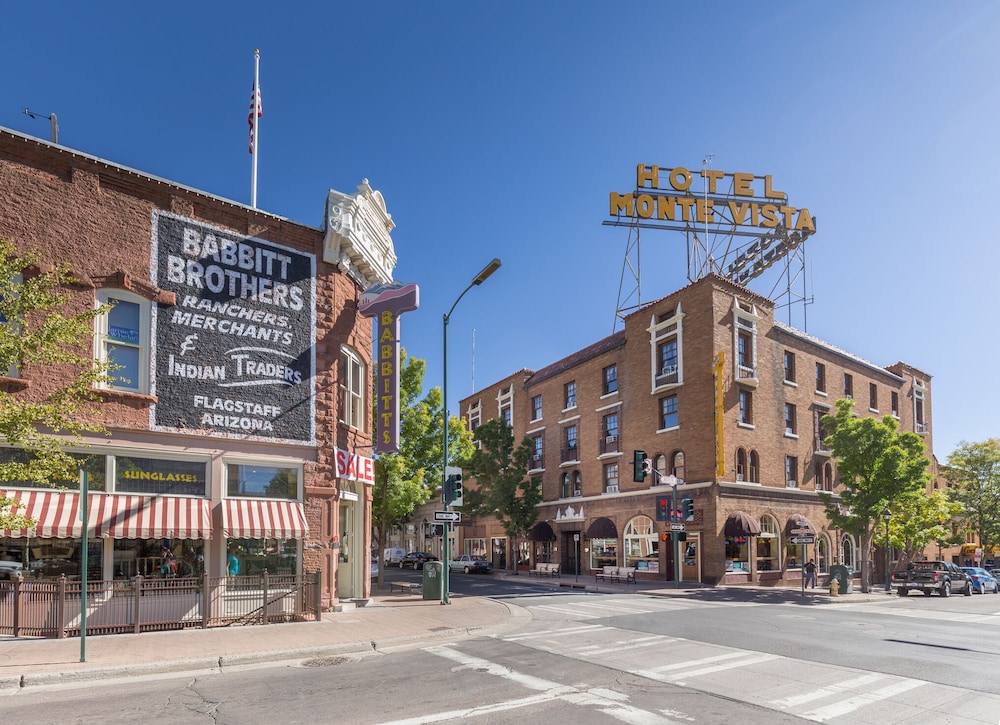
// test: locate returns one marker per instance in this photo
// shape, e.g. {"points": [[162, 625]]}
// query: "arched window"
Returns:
{"points": [[768, 545], [848, 552], [565, 492], [577, 484], [677, 464], [828, 477], [823, 554], [754, 472], [661, 468], [741, 464], [641, 543]]}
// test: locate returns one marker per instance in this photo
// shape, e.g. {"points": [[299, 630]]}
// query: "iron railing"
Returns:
{"points": [[52, 608]]}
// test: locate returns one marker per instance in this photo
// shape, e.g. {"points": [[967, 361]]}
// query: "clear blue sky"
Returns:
{"points": [[498, 129]]}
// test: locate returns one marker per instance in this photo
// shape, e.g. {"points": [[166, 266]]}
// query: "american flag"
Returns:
{"points": [[255, 105]]}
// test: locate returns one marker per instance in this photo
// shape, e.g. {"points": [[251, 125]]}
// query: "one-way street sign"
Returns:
{"points": [[454, 516], [803, 539]]}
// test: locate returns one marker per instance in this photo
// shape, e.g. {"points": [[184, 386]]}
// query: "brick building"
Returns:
{"points": [[718, 394], [239, 422]]}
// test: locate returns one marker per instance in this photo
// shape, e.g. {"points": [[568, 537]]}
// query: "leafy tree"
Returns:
{"points": [[502, 487], [409, 478], [878, 466], [36, 331], [917, 521], [974, 471]]}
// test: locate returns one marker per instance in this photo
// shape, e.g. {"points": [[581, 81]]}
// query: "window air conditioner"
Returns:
{"points": [[792, 484], [612, 489], [578, 493], [611, 439], [739, 476]]}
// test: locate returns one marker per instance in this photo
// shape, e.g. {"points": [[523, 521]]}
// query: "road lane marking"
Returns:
{"points": [[553, 632], [826, 691], [844, 707]]}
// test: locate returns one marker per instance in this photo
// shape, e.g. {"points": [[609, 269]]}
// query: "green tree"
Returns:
{"points": [[409, 478], [878, 466], [35, 332], [974, 472], [919, 520], [502, 487]]}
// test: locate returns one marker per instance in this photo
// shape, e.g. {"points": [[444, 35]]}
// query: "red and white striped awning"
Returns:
{"points": [[263, 519], [116, 516]]}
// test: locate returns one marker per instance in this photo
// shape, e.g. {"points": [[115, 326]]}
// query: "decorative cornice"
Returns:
{"points": [[356, 236]]}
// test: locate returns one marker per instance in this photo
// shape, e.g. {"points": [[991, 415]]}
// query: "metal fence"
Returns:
{"points": [[30, 608]]}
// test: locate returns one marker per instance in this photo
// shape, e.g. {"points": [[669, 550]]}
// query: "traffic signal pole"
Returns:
{"points": [[675, 536]]}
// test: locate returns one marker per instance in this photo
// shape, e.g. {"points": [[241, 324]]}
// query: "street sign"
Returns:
{"points": [[803, 532], [447, 515], [677, 527], [803, 539]]}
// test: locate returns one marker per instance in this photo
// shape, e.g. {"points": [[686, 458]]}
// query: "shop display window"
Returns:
{"points": [[259, 481], [603, 552], [737, 554], [253, 556], [150, 558], [642, 544]]}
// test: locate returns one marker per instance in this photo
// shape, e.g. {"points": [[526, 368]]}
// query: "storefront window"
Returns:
{"points": [[159, 476], [823, 554], [48, 559], [523, 553], [92, 464], [476, 548], [150, 558], [258, 481], [543, 552], [737, 554], [253, 556], [603, 552], [642, 545], [793, 555], [768, 545]]}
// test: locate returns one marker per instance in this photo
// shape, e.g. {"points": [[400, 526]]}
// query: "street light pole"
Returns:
{"points": [[886, 515], [489, 269]]}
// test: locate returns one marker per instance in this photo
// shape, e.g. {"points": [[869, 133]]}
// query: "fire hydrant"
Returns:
{"points": [[834, 587]]}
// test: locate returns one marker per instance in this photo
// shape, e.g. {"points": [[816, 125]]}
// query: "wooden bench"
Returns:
{"points": [[620, 574], [406, 587], [544, 569]]}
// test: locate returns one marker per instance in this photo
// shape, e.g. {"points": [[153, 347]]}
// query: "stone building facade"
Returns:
{"points": [[239, 423], [725, 402]]}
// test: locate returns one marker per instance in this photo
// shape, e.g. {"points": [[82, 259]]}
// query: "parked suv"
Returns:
{"points": [[942, 577]]}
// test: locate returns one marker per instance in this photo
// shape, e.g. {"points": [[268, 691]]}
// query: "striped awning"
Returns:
{"points": [[263, 519], [115, 516]]}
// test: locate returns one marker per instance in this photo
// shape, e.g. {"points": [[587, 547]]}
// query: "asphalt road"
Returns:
{"points": [[712, 657]]}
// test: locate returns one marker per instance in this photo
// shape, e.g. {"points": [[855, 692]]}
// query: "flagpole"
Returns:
{"points": [[256, 126]]}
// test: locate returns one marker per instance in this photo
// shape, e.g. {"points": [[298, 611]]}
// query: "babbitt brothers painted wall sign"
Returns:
{"points": [[235, 356]]}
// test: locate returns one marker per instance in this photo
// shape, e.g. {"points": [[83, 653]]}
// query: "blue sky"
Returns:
{"points": [[499, 129]]}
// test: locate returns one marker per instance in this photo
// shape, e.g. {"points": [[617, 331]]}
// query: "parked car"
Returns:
{"points": [[374, 567], [392, 556], [470, 565], [10, 569], [942, 577], [982, 580], [416, 560]]}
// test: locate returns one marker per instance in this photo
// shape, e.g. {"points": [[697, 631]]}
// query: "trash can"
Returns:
{"points": [[433, 579], [843, 575]]}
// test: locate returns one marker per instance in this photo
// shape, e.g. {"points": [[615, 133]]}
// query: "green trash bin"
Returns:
{"points": [[844, 575], [433, 579]]}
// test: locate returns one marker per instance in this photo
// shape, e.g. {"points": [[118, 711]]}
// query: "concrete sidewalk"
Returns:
{"points": [[388, 620]]}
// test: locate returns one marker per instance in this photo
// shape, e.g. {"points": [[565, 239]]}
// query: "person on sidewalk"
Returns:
{"points": [[810, 575]]}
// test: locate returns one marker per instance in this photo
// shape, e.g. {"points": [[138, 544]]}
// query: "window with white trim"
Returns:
{"points": [[505, 404], [122, 339], [569, 395], [352, 388], [666, 350], [745, 321], [611, 477], [536, 408], [474, 415]]}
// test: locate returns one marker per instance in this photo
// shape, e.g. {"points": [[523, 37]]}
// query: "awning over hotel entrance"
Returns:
{"points": [[263, 519], [114, 516]]}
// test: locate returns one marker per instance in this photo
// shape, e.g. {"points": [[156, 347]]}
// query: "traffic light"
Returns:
{"points": [[662, 508], [687, 509], [453, 486], [640, 466]]}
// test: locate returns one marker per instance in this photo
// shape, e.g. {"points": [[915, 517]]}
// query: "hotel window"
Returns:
{"points": [[569, 447], [754, 467], [611, 478], [577, 484], [569, 397], [741, 464], [610, 379], [609, 433], [789, 366], [873, 397], [894, 403], [536, 407], [352, 389], [475, 415], [745, 321], [565, 492], [919, 424], [848, 386], [820, 378], [677, 464], [820, 436], [123, 339], [661, 468], [668, 412], [790, 428], [791, 471], [746, 407], [665, 337], [537, 452]]}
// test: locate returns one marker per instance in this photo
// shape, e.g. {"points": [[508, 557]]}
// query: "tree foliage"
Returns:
{"points": [[35, 331], [974, 472], [878, 465], [409, 478], [919, 520], [502, 487]]}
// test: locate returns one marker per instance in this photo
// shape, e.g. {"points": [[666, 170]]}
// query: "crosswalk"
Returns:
{"points": [[813, 691]]}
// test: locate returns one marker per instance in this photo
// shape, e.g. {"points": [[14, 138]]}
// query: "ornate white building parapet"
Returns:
{"points": [[570, 514], [357, 235]]}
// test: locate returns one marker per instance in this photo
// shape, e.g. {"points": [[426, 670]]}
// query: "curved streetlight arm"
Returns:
{"points": [[486, 271]]}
